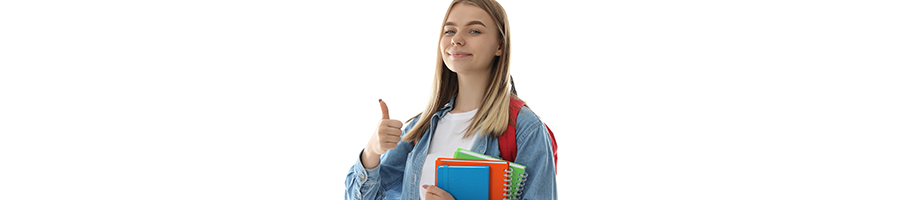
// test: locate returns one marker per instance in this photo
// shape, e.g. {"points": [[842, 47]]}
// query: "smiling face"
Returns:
{"points": [[470, 41]]}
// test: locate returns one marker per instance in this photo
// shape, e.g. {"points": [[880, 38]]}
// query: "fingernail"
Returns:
{"points": [[424, 186]]}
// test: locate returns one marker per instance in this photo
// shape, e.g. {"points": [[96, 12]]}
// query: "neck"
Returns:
{"points": [[471, 91]]}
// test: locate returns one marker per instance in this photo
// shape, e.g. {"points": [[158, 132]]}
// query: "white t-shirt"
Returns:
{"points": [[448, 135]]}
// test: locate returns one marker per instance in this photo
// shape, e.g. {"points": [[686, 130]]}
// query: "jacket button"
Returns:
{"points": [[362, 176], [357, 194]]}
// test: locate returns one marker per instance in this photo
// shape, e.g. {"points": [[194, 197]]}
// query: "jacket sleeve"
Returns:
{"points": [[384, 179], [362, 183], [535, 152]]}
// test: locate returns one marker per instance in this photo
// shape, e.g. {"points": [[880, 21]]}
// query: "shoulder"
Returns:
{"points": [[527, 115], [527, 123]]}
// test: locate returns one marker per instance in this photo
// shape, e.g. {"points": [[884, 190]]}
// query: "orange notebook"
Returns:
{"points": [[499, 173]]}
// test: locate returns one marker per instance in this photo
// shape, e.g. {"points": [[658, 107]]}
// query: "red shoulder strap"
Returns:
{"points": [[507, 140]]}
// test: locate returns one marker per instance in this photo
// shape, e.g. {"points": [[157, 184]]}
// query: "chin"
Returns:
{"points": [[466, 69], [462, 66], [457, 67]]}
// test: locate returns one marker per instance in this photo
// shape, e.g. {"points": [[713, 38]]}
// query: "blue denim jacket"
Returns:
{"points": [[397, 176]]}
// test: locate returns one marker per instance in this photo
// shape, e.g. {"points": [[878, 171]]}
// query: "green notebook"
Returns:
{"points": [[518, 178]]}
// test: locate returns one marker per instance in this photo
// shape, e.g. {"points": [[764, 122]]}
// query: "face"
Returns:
{"points": [[470, 41]]}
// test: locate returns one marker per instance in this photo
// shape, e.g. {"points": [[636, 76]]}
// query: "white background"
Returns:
{"points": [[198, 99]]}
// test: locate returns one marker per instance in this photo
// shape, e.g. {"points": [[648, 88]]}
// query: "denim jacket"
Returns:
{"points": [[397, 176]]}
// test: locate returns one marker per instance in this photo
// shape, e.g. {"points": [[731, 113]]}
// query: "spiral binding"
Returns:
{"points": [[521, 185], [507, 183]]}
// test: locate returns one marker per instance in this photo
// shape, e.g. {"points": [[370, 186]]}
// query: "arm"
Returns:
{"points": [[362, 183], [536, 153], [384, 179]]}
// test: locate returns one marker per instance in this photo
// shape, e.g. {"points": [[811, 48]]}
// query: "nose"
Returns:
{"points": [[457, 40]]}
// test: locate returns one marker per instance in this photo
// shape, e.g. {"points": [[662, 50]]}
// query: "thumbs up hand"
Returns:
{"points": [[386, 136]]}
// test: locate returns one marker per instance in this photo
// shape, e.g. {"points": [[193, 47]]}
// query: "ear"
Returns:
{"points": [[499, 50]]}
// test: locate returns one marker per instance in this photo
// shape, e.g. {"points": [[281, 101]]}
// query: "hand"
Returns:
{"points": [[386, 136], [435, 193]]}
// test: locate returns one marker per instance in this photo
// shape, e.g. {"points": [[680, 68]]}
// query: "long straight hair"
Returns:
{"points": [[492, 117]]}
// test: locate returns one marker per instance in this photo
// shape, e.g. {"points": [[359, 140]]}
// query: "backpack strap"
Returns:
{"points": [[507, 140]]}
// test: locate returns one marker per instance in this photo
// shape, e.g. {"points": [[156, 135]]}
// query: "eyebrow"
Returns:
{"points": [[469, 24]]}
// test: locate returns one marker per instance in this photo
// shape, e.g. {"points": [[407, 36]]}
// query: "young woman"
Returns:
{"points": [[469, 108]]}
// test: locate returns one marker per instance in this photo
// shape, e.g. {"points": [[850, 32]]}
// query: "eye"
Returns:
{"points": [[475, 32], [449, 31]]}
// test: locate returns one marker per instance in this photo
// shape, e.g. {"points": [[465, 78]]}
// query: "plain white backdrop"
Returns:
{"points": [[198, 99]]}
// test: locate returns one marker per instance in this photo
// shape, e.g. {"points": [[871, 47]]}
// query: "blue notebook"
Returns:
{"points": [[464, 182]]}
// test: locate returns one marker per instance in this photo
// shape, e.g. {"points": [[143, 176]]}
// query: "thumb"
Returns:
{"points": [[384, 110]]}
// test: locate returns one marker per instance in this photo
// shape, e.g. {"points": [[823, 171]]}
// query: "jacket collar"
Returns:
{"points": [[446, 109], [481, 142]]}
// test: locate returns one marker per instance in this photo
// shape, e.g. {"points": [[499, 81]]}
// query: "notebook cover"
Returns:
{"points": [[518, 170], [464, 182], [497, 172]]}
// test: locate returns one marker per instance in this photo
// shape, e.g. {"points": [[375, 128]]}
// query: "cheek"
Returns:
{"points": [[486, 48], [444, 43], [443, 47]]}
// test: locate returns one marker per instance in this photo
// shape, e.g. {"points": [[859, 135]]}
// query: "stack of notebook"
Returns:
{"points": [[469, 175]]}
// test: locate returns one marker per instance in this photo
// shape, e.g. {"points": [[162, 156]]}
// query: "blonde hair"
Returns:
{"points": [[493, 116]]}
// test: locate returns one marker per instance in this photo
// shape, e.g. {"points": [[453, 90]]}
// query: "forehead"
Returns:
{"points": [[462, 13]]}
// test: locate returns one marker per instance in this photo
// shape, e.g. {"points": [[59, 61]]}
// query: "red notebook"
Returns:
{"points": [[499, 174]]}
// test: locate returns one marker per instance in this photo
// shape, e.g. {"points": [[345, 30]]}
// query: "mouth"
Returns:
{"points": [[459, 54]]}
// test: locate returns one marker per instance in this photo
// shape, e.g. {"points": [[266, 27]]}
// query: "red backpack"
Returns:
{"points": [[507, 140]]}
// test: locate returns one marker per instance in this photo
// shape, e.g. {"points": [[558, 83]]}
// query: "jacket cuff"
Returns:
{"points": [[367, 177]]}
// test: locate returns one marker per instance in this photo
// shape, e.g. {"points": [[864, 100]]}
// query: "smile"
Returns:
{"points": [[459, 55]]}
